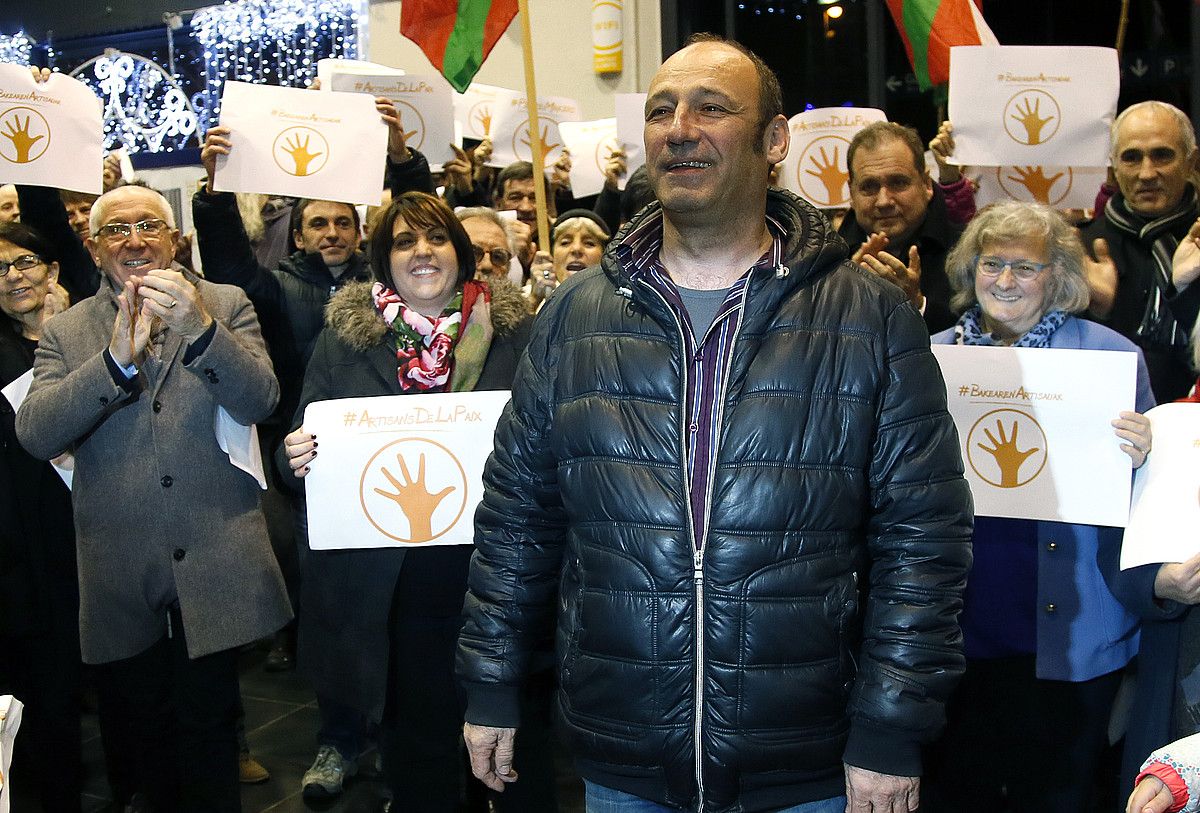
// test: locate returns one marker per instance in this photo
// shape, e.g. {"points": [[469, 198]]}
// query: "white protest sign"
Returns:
{"points": [[815, 167], [1019, 105], [1057, 187], [1166, 491], [400, 470], [286, 141], [475, 109], [511, 140], [51, 133], [328, 66], [11, 710], [631, 126], [591, 143], [425, 104], [1036, 433]]}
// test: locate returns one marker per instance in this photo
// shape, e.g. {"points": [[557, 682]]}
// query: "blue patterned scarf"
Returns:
{"points": [[970, 330]]}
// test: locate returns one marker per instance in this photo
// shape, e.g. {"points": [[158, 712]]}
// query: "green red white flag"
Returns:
{"points": [[931, 27], [456, 35]]}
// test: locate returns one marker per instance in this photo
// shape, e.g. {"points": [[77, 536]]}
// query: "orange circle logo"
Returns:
{"points": [[1006, 448], [1032, 184], [522, 143], [819, 171], [300, 151], [424, 506], [24, 135], [1032, 117], [411, 117]]}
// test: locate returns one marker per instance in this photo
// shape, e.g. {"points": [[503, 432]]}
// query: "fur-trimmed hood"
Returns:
{"points": [[352, 316]]}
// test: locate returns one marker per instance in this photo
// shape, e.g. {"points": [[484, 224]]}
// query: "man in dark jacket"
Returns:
{"points": [[1153, 157], [898, 219], [728, 470]]}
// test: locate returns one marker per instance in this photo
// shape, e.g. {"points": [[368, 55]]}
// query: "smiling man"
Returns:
{"points": [[1153, 157], [175, 571], [706, 478]]}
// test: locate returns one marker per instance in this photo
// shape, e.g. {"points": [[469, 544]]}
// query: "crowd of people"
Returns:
{"points": [[726, 551]]}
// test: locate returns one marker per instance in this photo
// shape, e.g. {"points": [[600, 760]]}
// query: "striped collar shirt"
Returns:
{"points": [[708, 357]]}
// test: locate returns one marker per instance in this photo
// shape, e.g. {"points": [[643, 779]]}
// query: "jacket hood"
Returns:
{"points": [[311, 268], [351, 313], [811, 246]]}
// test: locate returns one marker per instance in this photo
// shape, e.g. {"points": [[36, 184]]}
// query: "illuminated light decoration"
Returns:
{"points": [[16, 48], [145, 109], [273, 42]]}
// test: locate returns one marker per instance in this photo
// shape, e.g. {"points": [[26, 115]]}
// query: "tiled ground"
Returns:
{"points": [[281, 724]]}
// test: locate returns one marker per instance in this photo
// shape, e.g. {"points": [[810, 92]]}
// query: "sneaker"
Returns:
{"points": [[329, 770], [250, 770]]}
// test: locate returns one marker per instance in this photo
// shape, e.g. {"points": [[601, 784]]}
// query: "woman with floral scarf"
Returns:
{"points": [[385, 621], [1046, 641]]}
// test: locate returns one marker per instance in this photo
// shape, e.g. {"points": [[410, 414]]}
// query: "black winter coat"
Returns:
{"points": [[344, 642], [820, 618]]}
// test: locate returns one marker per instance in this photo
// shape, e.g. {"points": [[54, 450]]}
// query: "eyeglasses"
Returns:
{"points": [[500, 257], [120, 232], [992, 266], [22, 263]]}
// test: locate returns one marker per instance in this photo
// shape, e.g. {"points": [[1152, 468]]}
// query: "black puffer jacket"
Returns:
{"points": [[821, 621]]}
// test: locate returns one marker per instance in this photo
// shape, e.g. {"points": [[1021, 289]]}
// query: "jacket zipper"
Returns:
{"points": [[698, 550]]}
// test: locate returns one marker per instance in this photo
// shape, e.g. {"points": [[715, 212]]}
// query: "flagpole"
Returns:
{"points": [[535, 133]]}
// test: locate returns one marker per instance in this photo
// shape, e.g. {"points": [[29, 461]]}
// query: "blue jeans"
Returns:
{"points": [[600, 799]]}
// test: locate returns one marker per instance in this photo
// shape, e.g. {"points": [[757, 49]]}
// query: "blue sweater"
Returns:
{"points": [[1079, 630]]}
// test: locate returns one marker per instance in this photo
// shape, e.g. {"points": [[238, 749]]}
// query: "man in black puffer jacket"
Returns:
{"points": [[738, 492]]}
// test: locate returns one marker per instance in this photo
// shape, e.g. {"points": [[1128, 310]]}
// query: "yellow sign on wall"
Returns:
{"points": [[607, 39]]}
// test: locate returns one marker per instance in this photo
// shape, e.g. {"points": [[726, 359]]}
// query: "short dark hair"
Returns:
{"points": [[770, 95], [69, 196], [423, 211], [516, 171], [878, 132], [297, 219], [29, 238]]}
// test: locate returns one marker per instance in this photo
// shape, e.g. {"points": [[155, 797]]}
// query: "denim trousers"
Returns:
{"points": [[600, 799]]}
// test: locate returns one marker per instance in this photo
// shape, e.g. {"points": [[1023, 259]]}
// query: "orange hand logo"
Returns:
{"points": [[1034, 179], [1008, 457], [483, 119], [1028, 113], [546, 147], [414, 499], [829, 174], [27, 134], [300, 154]]}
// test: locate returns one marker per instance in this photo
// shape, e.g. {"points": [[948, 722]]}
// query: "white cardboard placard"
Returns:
{"points": [[1026, 105], [631, 125], [1057, 187], [815, 167], [511, 140], [425, 104], [286, 141], [591, 143], [51, 133], [1035, 430], [400, 470]]}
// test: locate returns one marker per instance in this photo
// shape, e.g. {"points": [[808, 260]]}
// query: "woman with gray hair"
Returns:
{"points": [[1045, 639]]}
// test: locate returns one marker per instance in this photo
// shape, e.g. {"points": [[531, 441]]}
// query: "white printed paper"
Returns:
{"points": [[1032, 105], [511, 140], [327, 67], [815, 167], [631, 126], [1057, 187], [299, 143], [240, 443], [400, 470], [425, 104], [475, 109], [10, 722], [15, 393], [591, 144], [51, 133], [1035, 430], [1166, 491]]}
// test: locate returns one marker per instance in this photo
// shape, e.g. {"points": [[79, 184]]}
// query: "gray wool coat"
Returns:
{"points": [[160, 512]]}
